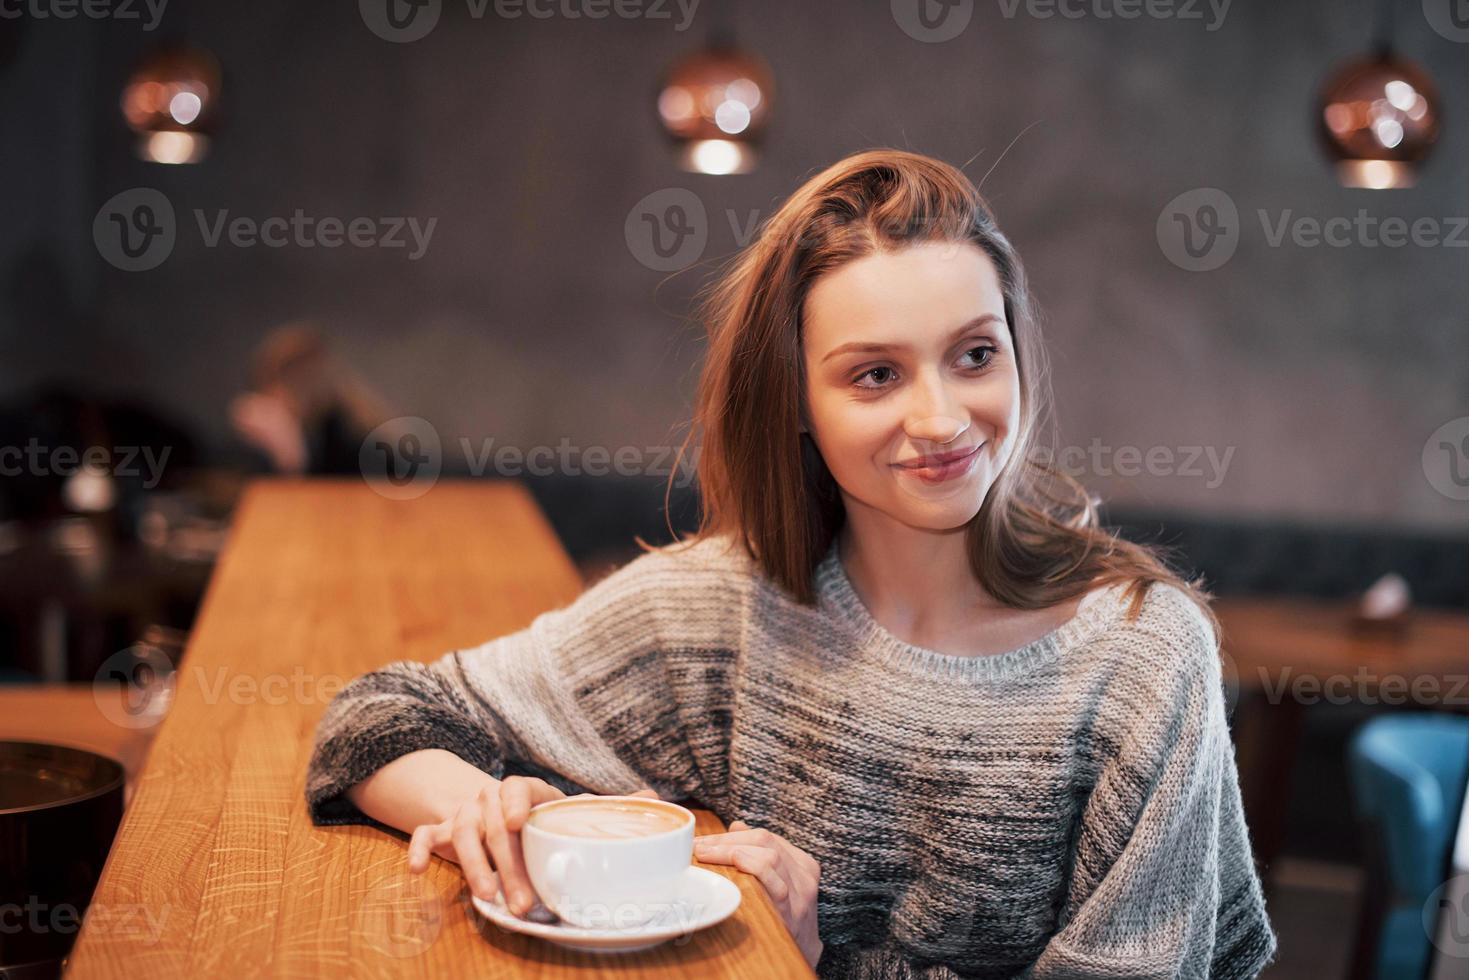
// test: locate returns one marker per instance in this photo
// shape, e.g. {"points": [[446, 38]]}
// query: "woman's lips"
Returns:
{"points": [[952, 467]]}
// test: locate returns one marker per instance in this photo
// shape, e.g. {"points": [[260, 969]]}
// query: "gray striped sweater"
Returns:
{"points": [[1070, 808]]}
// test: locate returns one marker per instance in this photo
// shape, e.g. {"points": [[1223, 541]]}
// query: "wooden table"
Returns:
{"points": [[1288, 653], [217, 870]]}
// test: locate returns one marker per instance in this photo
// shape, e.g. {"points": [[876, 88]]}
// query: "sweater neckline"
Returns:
{"points": [[836, 589]]}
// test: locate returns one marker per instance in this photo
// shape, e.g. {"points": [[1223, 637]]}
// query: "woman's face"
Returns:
{"points": [[907, 356]]}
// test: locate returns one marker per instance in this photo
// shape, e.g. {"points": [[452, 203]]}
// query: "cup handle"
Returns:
{"points": [[557, 871]]}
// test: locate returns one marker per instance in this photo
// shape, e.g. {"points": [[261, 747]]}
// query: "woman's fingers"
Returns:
{"points": [[504, 848], [469, 847], [762, 862], [436, 839], [758, 839], [420, 846], [789, 875], [519, 793], [765, 865], [794, 860]]}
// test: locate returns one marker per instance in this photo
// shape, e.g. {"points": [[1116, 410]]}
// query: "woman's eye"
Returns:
{"points": [[881, 374], [870, 373], [985, 361]]}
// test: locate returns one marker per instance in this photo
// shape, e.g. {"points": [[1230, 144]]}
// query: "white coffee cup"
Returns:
{"points": [[607, 862]]}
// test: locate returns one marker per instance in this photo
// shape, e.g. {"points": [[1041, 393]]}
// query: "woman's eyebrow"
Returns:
{"points": [[871, 347]]}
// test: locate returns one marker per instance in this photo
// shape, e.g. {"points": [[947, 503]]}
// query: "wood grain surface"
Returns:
{"points": [[217, 870]]}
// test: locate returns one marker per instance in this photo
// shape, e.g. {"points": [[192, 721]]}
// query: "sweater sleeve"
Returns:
{"points": [[627, 686], [1163, 881]]}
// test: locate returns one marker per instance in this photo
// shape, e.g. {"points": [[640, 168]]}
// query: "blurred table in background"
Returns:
{"points": [[73, 591], [1288, 653], [321, 581]]}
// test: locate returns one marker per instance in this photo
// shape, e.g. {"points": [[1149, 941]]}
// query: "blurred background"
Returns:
{"points": [[247, 240]]}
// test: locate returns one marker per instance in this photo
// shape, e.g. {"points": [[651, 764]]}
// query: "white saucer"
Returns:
{"points": [[704, 899]]}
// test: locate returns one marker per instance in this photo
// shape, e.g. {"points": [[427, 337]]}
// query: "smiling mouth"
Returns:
{"points": [[941, 461]]}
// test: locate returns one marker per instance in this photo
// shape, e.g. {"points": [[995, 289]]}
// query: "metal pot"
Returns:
{"points": [[59, 810]]}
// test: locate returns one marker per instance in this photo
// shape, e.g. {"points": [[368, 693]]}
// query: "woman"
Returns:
{"points": [[954, 726]]}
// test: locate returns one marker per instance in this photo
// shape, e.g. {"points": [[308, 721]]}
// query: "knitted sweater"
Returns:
{"points": [[1068, 809]]}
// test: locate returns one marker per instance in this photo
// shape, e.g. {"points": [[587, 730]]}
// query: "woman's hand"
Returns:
{"points": [[483, 837], [790, 876]]}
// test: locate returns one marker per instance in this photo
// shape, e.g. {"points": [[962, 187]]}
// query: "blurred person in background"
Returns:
{"points": [[304, 410]]}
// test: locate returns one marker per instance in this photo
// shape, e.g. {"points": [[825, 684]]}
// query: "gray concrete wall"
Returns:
{"points": [[1321, 370]]}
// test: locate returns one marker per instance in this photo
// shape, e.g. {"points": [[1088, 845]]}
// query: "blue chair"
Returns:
{"points": [[1408, 774]]}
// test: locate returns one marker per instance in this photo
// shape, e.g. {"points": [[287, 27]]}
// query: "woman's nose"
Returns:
{"points": [[936, 414]]}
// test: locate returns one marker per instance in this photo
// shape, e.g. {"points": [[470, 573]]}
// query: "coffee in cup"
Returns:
{"points": [[608, 818], [607, 862]]}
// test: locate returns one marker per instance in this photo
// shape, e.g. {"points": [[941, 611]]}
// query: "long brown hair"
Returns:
{"points": [[1036, 540]]}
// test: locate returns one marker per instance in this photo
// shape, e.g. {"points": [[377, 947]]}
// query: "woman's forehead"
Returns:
{"points": [[933, 286]]}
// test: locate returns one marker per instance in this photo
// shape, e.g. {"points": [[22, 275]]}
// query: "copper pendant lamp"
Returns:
{"points": [[1379, 115], [171, 103], [714, 105]]}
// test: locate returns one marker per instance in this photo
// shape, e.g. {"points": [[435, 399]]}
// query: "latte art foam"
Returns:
{"points": [[606, 821]]}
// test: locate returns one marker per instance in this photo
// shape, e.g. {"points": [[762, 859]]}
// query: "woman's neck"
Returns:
{"points": [[918, 585], [917, 580]]}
